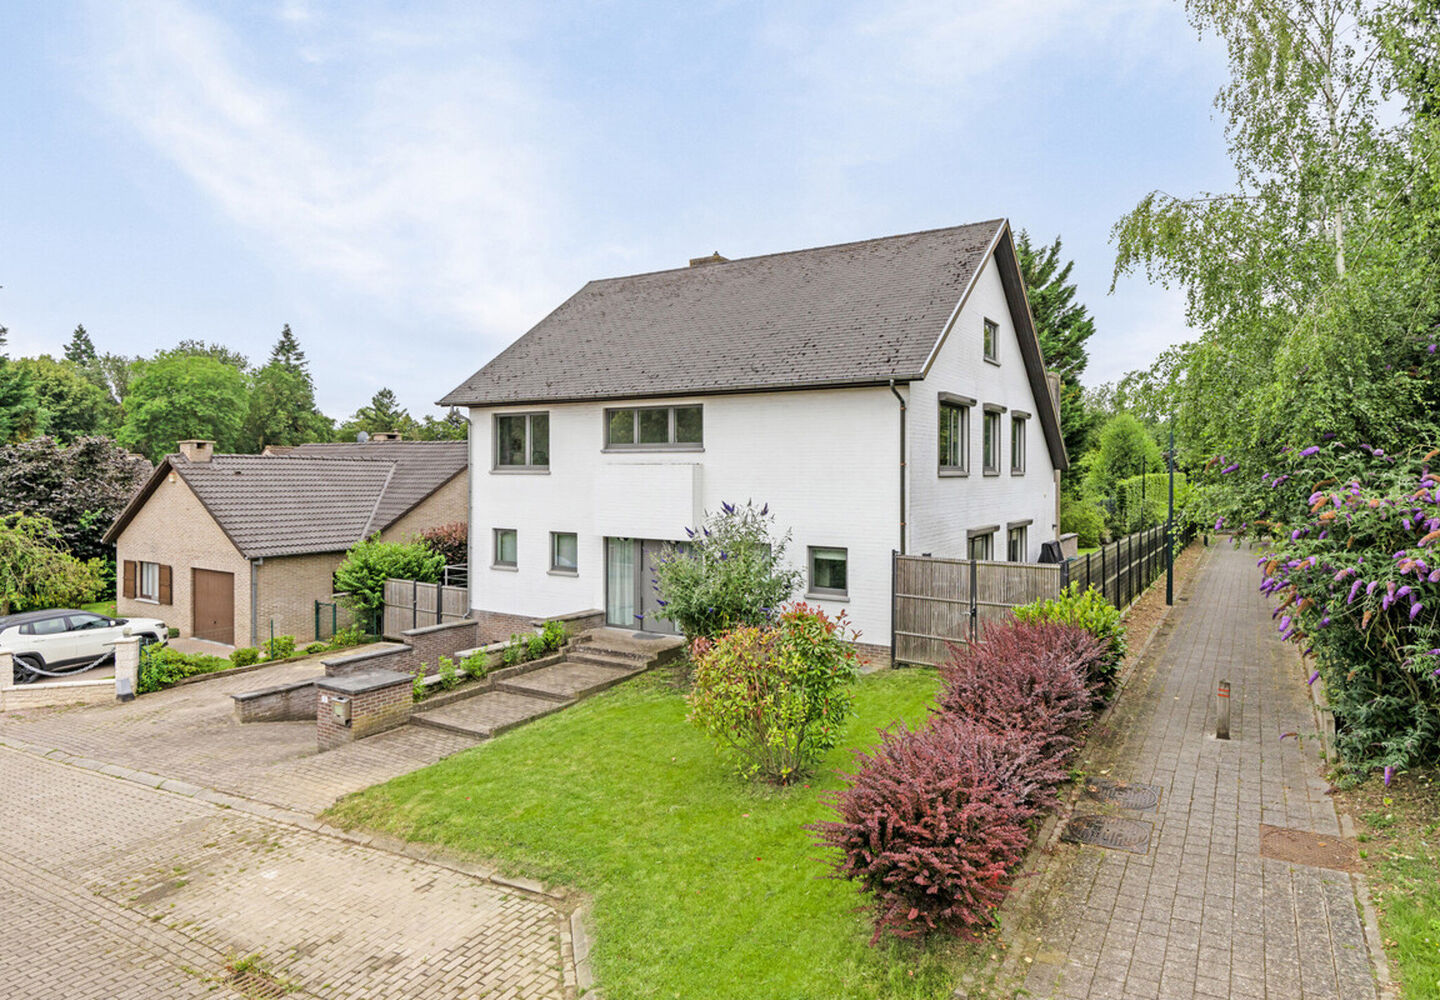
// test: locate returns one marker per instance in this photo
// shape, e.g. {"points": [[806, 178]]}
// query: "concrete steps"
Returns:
{"points": [[594, 661]]}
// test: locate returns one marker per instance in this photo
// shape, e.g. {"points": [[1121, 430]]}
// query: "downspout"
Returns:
{"points": [[255, 565], [901, 400]]}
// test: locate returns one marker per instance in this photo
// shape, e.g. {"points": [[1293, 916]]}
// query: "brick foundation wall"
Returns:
{"points": [[496, 626], [384, 703], [574, 623], [876, 656]]}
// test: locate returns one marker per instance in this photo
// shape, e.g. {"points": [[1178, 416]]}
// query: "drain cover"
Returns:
{"points": [[1123, 793], [256, 985], [1302, 847], [1107, 831]]}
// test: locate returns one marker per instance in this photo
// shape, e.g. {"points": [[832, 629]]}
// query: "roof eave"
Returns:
{"points": [[880, 381]]}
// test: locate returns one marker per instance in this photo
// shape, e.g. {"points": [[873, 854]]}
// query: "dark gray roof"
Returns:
{"points": [[853, 314], [314, 498], [273, 505], [421, 468]]}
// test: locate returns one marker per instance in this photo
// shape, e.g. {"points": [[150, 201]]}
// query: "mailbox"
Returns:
{"points": [[341, 707]]}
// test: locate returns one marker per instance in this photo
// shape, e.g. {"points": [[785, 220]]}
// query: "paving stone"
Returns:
{"points": [[1203, 915], [489, 714], [569, 680]]}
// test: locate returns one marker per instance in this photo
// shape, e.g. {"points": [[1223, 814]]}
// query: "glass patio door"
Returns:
{"points": [[620, 582]]}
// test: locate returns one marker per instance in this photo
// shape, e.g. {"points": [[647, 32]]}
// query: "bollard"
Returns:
{"points": [[1222, 711]]}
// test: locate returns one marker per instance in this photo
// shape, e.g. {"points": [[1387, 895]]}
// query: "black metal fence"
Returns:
{"points": [[1123, 569]]}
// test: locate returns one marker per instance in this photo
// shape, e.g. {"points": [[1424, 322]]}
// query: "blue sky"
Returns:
{"points": [[412, 186]]}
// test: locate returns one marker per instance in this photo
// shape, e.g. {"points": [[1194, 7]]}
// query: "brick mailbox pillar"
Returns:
{"points": [[359, 705], [127, 667]]}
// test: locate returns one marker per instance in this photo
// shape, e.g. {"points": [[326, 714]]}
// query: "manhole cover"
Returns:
{"points": [[1302, 847], [1108, 831], [1123, 793]]}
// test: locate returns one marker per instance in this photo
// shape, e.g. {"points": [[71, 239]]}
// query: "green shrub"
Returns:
{"points": [[555, 635], [315, 647], [418, 688], [1090, 611], [1085, 518], [449, 676], [370, 563], [731, 572], [477, 665], [536, 647], [245, 656], [515, 652], [776, 699], [161, 666], [280, 647], [350, 635]]}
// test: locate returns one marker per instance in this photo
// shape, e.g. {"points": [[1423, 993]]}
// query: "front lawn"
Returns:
{"points": [[703, 886], [106, 608]]}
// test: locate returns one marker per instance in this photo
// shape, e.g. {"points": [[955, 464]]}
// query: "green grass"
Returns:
{"points": [[1400, 839], [106, 608], [703, 885]]}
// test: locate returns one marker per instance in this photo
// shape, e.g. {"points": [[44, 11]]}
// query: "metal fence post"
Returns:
{"points": [[1064, 575], [414, 603], [974, 604], [894, 600], [1104, 576]]}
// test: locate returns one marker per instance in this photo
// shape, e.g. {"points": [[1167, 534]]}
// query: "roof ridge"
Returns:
{"points": [[998, 221]]}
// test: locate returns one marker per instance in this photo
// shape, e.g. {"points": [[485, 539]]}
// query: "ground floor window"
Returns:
{"points": [[828, 572], [505, 547], [147, 584], [981, 545], [1017, 544], [564, 552]]}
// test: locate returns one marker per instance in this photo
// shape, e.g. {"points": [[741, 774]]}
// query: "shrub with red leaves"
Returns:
{"points": [[449, 540], [1024, 677], [932, 822]]}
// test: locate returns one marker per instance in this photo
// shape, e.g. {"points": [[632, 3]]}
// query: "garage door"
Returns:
{"points": [[214, 605]]}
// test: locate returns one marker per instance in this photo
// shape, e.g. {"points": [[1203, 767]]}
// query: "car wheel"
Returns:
{"points": [[26, 669]]}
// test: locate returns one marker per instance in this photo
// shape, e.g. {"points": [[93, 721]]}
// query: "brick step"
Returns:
{"points": [[489, 714], [569, 681], [606, 658]]}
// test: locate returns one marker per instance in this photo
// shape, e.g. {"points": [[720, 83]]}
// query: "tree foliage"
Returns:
{"points": [[36, 571], [381, 415], [361, 576], [18, 410], [69, 405], [180, 397], [282, 403]]}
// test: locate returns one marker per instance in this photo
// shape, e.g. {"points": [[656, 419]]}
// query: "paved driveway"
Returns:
{"points": [[115, 888]]}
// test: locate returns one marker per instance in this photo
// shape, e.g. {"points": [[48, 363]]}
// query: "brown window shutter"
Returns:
{"points": [[165, 584], [129, 584]]}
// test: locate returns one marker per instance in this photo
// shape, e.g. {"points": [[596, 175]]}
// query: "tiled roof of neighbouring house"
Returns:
{"points": [[314, 498], [852, 314]]}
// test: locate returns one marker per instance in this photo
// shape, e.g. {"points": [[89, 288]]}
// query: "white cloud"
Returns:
{"points": [[430, 189]]}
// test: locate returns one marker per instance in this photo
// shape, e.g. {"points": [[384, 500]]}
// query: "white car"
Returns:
{"points": [[67, 640]]}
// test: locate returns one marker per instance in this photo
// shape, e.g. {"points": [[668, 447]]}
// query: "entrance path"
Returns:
{"points": [[1202, 914]]}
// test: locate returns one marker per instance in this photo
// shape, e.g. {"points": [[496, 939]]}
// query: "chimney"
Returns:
{"points": [[714, 258], [386, 436], [197, 451]]}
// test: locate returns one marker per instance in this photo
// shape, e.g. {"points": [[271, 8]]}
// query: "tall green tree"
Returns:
{"points": [[454, 426], [383, 413], [19, 412], [282, 403], [184, 396], [70, 405], [79, 349], [1126, 449], [1063, 327], [203, 349]]}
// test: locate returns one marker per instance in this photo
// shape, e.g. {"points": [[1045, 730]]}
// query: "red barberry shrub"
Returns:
{"points": [[1024, 677], [931, 823], [449, 540]]}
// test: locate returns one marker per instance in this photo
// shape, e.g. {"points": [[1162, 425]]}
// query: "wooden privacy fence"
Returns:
{"points": [[937, 602], [411, 604]]}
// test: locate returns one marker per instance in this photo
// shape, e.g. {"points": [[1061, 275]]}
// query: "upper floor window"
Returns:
{"points": [[522, 441], [954, 433], [992, 341], [992, 442], [680, 427], [1017, 444]]}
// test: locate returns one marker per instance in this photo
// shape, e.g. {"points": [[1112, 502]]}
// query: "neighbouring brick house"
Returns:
{"points": [[221, 546]]}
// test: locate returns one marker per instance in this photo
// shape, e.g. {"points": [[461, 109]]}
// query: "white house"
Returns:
{"points": [[886, 395]]}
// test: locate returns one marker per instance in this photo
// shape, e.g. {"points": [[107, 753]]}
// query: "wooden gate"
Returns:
{"points": [[411, 604], [940, 602]]}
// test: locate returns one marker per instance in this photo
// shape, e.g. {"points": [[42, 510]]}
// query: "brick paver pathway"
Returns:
{"points": [[1202, 914], [113, 889]]}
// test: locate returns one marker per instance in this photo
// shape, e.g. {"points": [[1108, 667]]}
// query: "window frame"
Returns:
{"points": [[961, 406], [1019, 427], [985, 535], [141, 567], [529, 466], [990, 341], [990, 439], [555, 566], [672, 424], [826, 593], [495, 561], [1014, 530]]}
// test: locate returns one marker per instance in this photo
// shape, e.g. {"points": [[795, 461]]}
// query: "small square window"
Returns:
{"points": [[1017, 544], [992, 442], [522, 441], [992, 340], [828, 572], [505, 547], [954, 437], [564, 552], [1017, 445]]}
